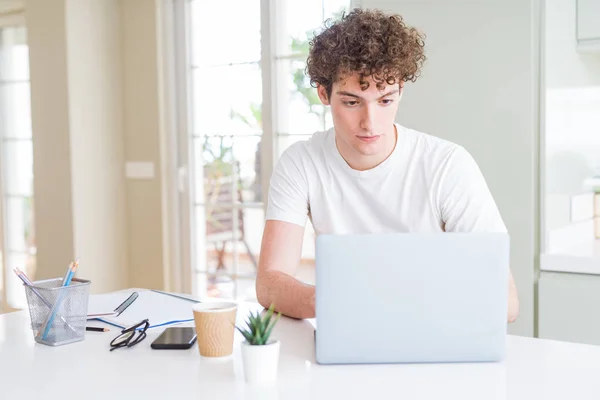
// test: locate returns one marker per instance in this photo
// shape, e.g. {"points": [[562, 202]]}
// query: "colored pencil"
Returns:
{"points": [[28, 282], [67, 273], [66, 282]]}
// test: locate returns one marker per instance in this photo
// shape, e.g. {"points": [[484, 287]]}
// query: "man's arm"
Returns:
{"points": [[275, 283]]}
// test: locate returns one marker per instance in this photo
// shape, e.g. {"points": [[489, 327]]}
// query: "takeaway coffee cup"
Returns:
{"points": [[215, 327]]}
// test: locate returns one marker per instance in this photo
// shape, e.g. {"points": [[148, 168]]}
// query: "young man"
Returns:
{"points": [[367, 174]]}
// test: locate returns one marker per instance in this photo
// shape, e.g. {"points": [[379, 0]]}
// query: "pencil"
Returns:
{"points": [[64, 280], [72, 269], [96, 329], [28, 282]]}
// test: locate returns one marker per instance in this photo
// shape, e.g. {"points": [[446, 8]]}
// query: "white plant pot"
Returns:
{"points": [[260, 362]]}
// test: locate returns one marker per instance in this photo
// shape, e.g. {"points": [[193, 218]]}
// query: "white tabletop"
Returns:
{"points": [[533, 369]]}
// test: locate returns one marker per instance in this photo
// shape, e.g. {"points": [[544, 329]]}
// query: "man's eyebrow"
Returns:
{"points": [[389, 93], [344, 93]]}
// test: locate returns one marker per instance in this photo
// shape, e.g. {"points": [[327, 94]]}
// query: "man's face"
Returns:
{"points": [[363, 120]]}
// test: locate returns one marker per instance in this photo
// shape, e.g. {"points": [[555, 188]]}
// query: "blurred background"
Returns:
{"points": [[140, 135]]}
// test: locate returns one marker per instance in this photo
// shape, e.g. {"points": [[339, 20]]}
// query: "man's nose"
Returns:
{"points": [[367, 117]]}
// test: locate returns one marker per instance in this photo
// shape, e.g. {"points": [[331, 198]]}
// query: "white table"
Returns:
{"points": [[533, 369]]}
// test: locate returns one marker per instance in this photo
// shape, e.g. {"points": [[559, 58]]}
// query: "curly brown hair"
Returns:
{"points": [[370, 43]]}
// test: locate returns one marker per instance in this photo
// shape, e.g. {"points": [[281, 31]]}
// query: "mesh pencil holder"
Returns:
{"points": [[58, 313]]}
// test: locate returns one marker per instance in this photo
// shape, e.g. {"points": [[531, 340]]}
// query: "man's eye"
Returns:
{"points": [[387, 101], [351, 103]]}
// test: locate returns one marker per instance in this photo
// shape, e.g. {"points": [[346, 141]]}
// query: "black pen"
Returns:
{"points": [[96, 329]]}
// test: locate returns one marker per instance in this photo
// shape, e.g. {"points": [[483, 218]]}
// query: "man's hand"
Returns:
{"points": [[275, 283]]}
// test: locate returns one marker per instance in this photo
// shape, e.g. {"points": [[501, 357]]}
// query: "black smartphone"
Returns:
{"points": [[180, 338]]}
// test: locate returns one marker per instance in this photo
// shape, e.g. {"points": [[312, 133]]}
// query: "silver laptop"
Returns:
{"points": [[411, 297]]}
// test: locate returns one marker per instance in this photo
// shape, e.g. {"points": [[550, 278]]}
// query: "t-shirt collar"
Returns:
{"points": [[377, 170]]}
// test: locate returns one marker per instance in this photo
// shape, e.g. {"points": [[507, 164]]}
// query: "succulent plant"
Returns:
{"points": [[259, 327]]}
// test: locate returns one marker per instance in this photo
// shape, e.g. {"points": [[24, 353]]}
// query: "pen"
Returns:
{"points": [[96, 329]]}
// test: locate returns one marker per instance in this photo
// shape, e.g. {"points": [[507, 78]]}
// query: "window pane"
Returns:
{"points": [[221, 244], [246, 151], [301, 20], [15, 110], [335, 8], [214, 169], [18, 167], [300, 110], [19, 234], [215, 158], [298, 21], [14, 287], [219, 231], [227, 100], [14, 57], [217, 223], [225, 32], [242, 288]]}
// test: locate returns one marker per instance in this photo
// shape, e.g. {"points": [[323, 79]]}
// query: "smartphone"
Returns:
{"points": [[180, 338]]}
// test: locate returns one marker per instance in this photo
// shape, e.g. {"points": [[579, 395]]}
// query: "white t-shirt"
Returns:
{"points": [[427, 184]]}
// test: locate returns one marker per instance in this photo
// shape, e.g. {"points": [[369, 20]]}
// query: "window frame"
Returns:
{"points": [[9, 19]]}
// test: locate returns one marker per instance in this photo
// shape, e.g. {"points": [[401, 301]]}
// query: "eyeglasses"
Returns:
{"points": [[130, 336]]}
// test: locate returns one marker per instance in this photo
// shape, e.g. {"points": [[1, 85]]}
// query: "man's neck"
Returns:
{"points": [[360, 162]]}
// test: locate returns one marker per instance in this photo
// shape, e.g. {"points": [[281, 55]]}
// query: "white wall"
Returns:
{"points": [[75, 64], [572, 138], [11, 6], [479, 89], [142, 138], [46, 35], [94, 67], [95, 105]]}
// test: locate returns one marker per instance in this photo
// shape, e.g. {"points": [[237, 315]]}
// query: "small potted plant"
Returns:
{"points": [[260, 354]]}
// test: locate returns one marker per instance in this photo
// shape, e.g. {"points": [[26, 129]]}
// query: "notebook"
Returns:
{"points": [[114, 312], [161, 308]]}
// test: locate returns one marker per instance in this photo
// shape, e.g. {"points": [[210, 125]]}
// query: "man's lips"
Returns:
{"points": [[369, 139]]}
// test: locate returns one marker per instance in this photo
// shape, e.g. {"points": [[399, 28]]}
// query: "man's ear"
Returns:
{"points": [[322, 92]]}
